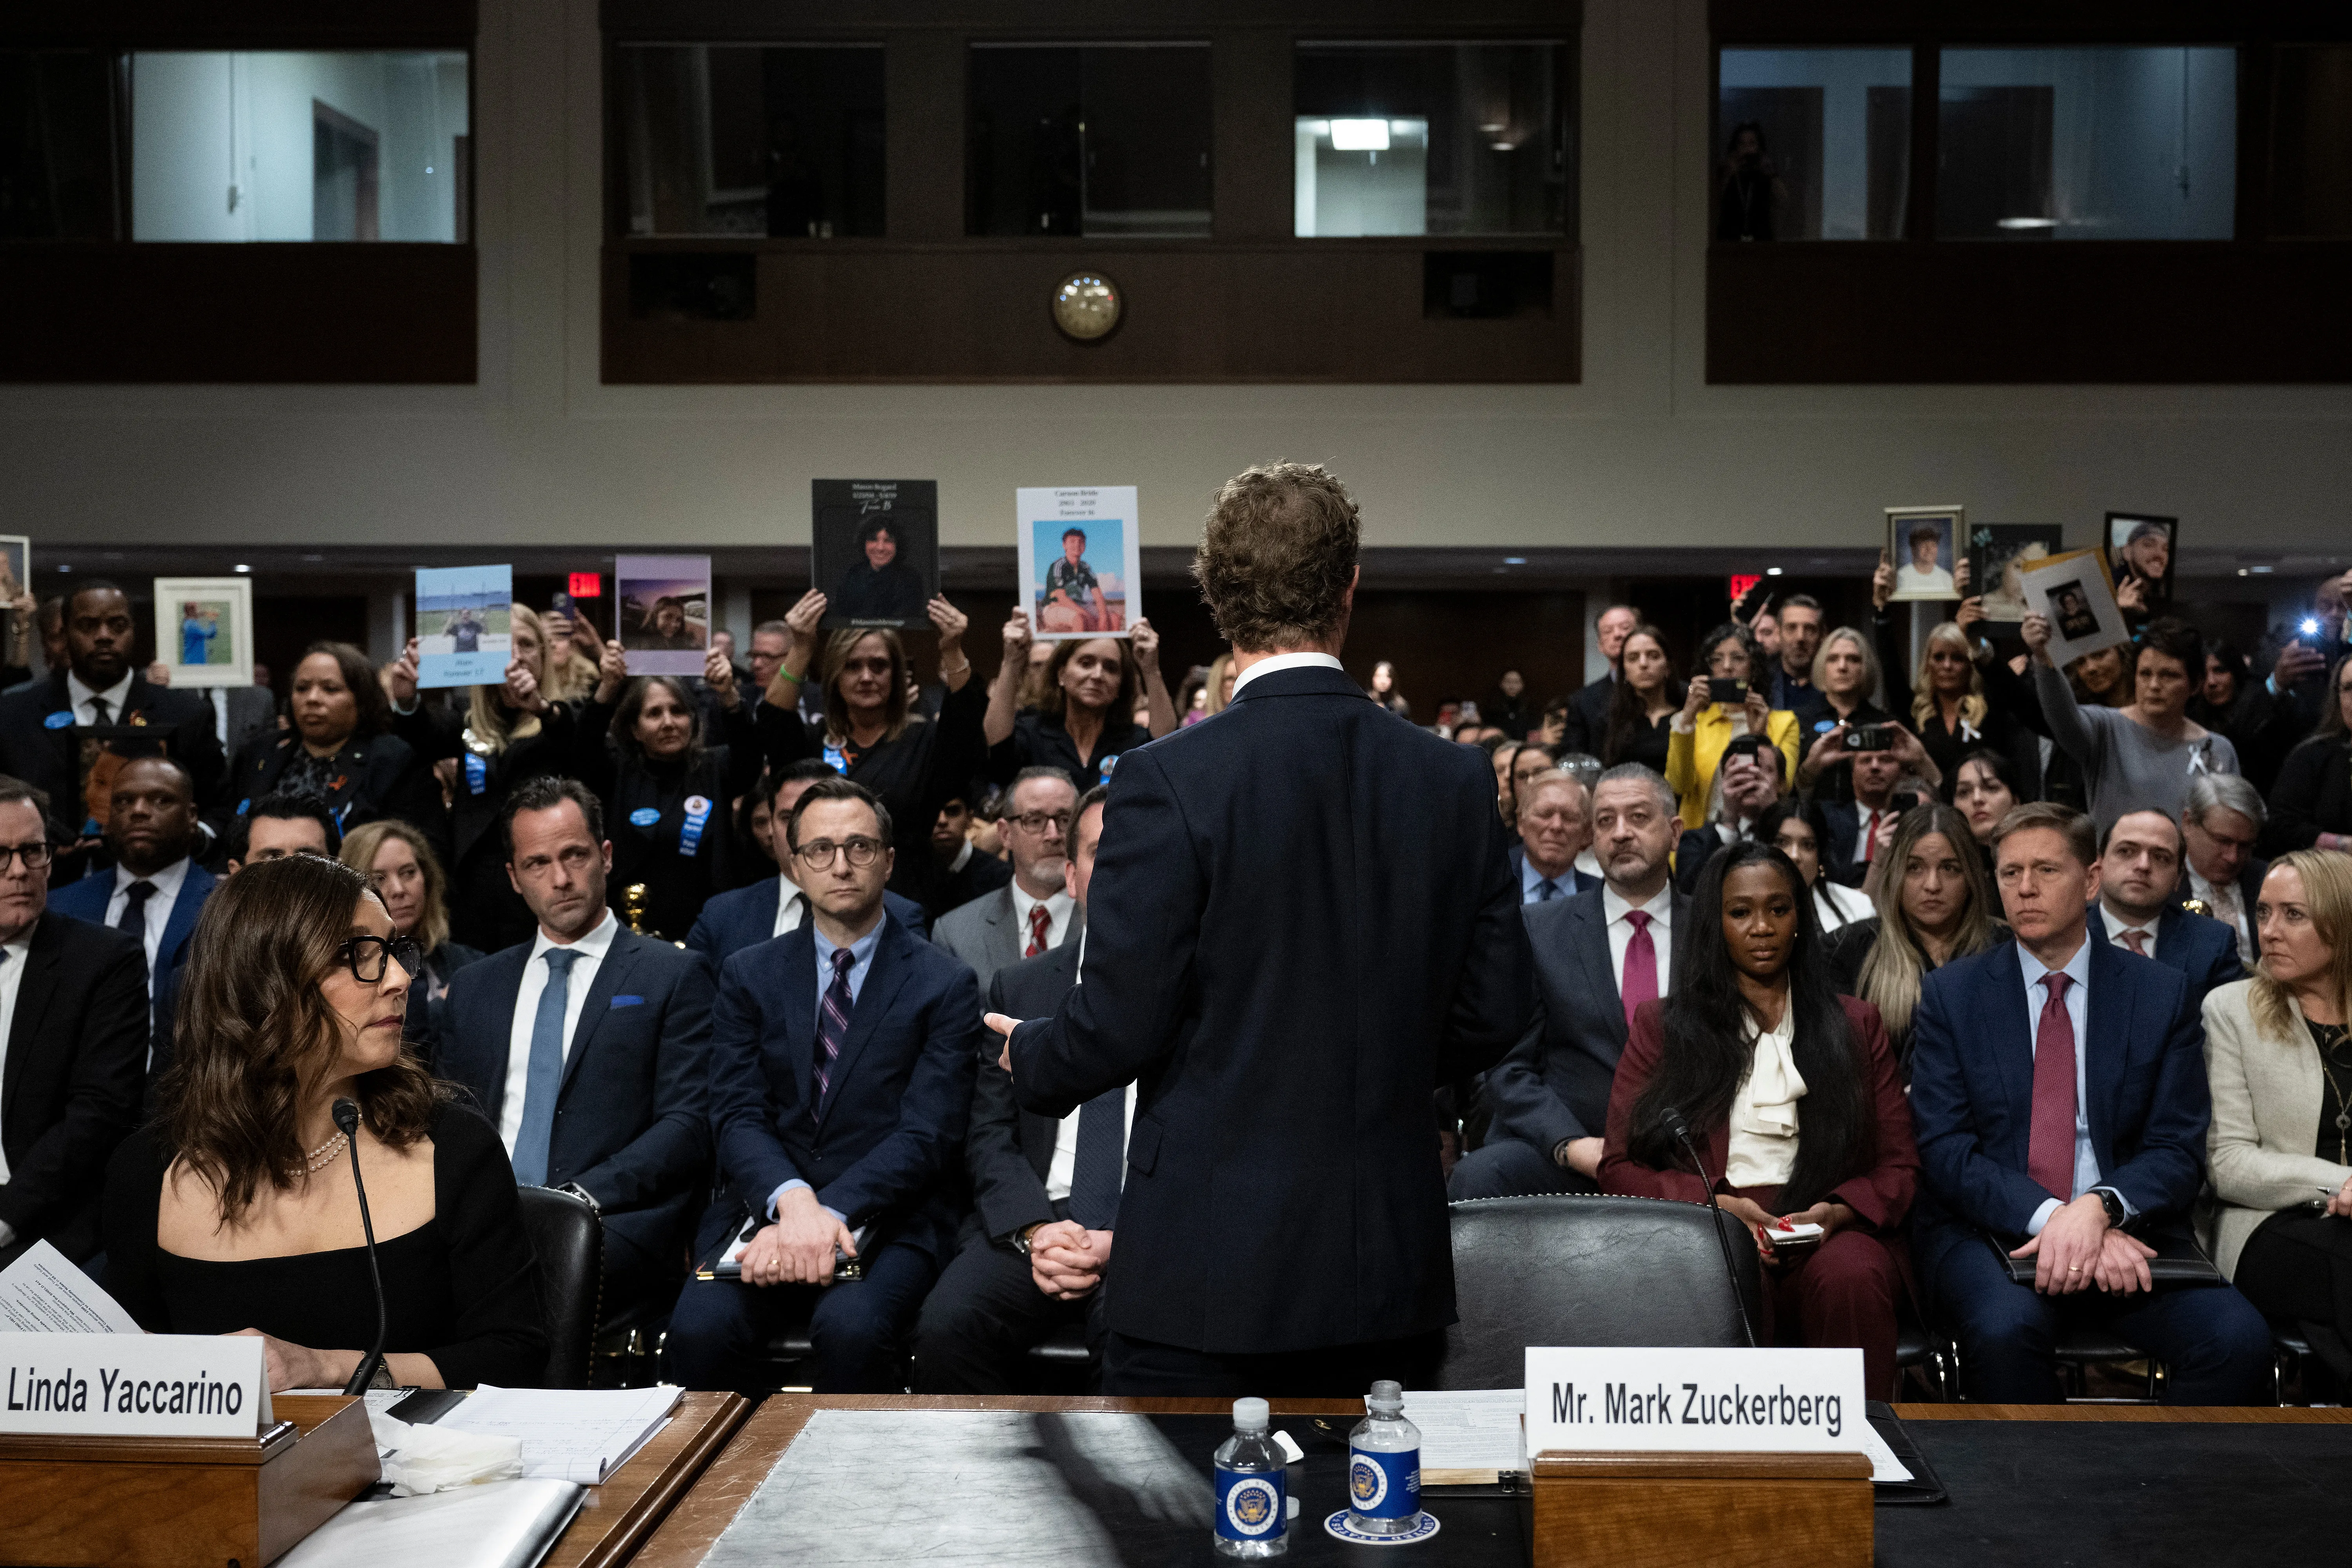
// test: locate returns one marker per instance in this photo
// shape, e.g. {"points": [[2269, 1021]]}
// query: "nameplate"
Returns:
{"points": [[1695, 1400], [133, 1385]]}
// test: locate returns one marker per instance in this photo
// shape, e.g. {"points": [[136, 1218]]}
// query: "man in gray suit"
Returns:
{"points": [[1597, 955], [1033, 914]]}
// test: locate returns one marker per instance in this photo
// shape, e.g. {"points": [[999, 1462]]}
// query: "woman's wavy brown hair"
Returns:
{"points": [[256, 1034], [1056, 701], [837, 649]]}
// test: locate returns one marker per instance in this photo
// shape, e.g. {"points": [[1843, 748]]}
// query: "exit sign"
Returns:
{"points": [[587, 584], [1739, 587]]}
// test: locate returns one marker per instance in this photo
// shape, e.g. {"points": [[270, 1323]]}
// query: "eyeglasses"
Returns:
{"points": [[34, 854], [862, 853], [1038, 821], [367, 956]]}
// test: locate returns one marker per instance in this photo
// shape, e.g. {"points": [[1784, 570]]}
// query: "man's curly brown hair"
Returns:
{"points": [[1277, 555]]}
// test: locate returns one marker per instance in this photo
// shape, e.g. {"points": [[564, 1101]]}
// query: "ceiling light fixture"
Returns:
{"points": [[1359, 135]]}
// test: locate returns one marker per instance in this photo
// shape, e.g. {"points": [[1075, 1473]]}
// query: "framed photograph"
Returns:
{"points": [[2143, 547], [874, 550], [1999, 553], [204, 629], [662, 605], [465, 625], [15, 571], [2075, 592], [1923, 541], [1081, 557]]}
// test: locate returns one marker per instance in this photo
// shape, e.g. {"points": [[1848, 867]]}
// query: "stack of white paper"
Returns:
{"points": [[42, 1293], [568, 1434], [1469, 1437]]}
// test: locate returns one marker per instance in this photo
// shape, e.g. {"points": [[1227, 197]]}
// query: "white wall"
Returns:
{"points": [[1643, 453]]}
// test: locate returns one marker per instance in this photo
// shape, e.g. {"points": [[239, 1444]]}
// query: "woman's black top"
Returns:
{"points": [[1848, 949], [2334, 1141], [889, 597], [1646, 744], [1039, 741], [485, 910], [927, 766], [369, 777], [463, 1287], [2312, 795], [671, 823]]}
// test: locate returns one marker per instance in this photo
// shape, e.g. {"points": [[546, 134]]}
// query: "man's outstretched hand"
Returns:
{"points": [[1002, 1026]]}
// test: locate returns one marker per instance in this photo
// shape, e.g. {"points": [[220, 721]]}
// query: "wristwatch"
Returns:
{"points": [[582, 1194], [2114, 1204], [1020, 1237]]}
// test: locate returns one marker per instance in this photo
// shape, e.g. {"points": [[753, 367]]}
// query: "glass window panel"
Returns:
{"points": [[1812, 144], [778, 140], [56, 145], [1432, 138], [2311, 142], [2087, 144], [295, 145], [1088, 138]]}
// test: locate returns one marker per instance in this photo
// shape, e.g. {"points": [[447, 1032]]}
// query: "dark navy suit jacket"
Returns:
{"points": [[2201, 948], [87, 900], [747, 917], [1575, 882], [632, 1118], [884, 1148], [1972, 1093], [1301, 922]]}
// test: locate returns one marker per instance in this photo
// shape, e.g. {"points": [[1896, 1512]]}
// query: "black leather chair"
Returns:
{"points": [[569, 1241], [1587, 1271]]}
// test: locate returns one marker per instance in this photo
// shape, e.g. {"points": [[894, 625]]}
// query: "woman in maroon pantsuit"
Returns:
{"points": [[1792, 1095]]}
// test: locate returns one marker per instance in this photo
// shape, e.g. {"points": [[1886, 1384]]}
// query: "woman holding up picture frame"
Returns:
{"points": [[2140, 757]]}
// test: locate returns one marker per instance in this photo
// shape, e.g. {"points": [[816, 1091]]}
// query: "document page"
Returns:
{"points": [[42, 1293], [1468, 1435], [568, 1434]]}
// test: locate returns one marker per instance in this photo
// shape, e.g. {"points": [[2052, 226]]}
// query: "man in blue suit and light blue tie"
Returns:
{"points": [[2058, 1085], [2139, 907], [841, 1078], [1555, 827], [767, 910], [587, 1046]]}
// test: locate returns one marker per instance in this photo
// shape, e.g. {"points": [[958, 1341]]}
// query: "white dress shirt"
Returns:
{"points": [[79, 696], [166, 883], [1762, 1146], [2119, 930], [592, 949], [12, 980], [1282, 661], [792, 907], [2222, 901], [1621, 934], [1057, 912], [2078, 1014]]}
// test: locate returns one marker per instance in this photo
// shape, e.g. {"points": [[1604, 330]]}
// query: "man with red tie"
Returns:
{"points": [[2058, 1086], [1034, 913]]}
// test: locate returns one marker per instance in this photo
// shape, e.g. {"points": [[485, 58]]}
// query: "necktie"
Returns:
{"points": [[2137, 940], [1639, 984], [2050, 1146], [543, 1078], [1102, 1160], [832, 1024], [1546, 890], [1870, 847], [98, 710], [1041, 920], [133, 917]]}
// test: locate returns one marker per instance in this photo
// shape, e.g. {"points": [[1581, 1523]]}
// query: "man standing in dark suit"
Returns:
{"points": [[2139, 868], [1033, 912], [1301, 922], [1555, 827], [1597, 956], [1863, 828], [1588, 711], [769, 909], [1045, 1194], [68, 735], [2220, 821], [73, 1024], [2058, 1085], [588, 1048], [156, 889], [841, 1071]]}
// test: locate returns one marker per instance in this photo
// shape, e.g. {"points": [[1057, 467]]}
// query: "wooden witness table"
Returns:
{"points": [[614, 1519]]}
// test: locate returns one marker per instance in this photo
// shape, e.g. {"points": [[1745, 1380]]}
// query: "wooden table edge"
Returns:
{"points": [[618, 1538], [2214, 1415]]}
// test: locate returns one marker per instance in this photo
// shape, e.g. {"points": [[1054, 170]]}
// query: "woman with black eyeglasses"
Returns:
{"points": [[235, 1212]]}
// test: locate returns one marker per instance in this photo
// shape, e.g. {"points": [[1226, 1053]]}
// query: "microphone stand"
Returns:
{"points": [[347, 1121], [1678, 1129]]}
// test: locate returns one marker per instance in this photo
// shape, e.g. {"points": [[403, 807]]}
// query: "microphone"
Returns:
{"points": [[347, 1121], [1678, 1129]]}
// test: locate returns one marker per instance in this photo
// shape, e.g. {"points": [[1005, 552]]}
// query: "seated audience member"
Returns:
{"points": [[156, 889], [842, 1059], [774, 905], [1792, 1095], [2281, 1073], [1045, 1194], [1985, 788], [2311, 804], [2142, 755], [233, 1212], [339, 749], [74, 1019], [963, 872], [1934, 905], [588, 1048], [2220, 825], [1746, 787], [1791, 678], [1086, 718], [1796, 828], [2139, 905], [272, 827], [2041, 1139], [1033, 912], [1555, 827], [1638, 724], [1862, 826], [1599, 955], [406, 874], [1847, 683], [1704, 727]]}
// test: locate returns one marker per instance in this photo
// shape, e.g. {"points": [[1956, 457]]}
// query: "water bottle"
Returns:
{"points": [[1384, 1466], [1253, 1509]]}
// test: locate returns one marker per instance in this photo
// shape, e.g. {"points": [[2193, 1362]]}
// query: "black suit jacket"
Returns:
{"points": [[2201, 948], [69, 1091], [1301, 922], [1010, 1149], [632, 1118], [179, 722], [1555, 1083], [1588, 717], [382, 777]]}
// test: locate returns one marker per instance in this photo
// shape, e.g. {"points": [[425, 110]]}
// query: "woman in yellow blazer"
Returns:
{"points": [[1704, 726], [2281, 1143]]}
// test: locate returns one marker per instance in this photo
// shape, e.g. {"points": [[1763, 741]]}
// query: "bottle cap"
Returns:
{"points": [[1249, 1416], [1386, 1395]]}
